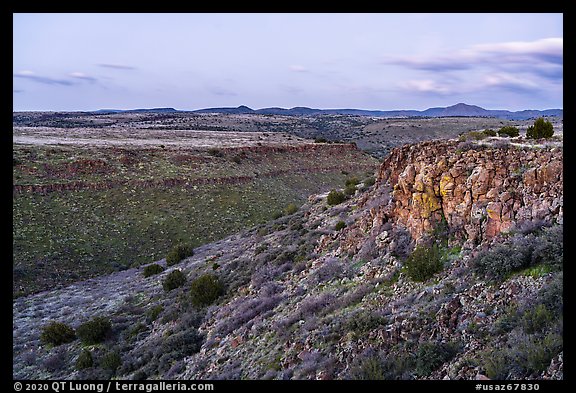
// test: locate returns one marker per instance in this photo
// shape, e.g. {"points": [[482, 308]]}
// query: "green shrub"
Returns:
{"points": [[153, 269], [541, 129], [173, 280], [489, 132], [57, 333], [520, 252], [153, 313], [475, 135], [111, 361], [536, 353], [205, 289], [508, 131], [364, 322], [537, 319], [340, 225], [496, 364], [320, 140], [431, 356], [370, 369], [369, 182], [371, 365], [178, 253], [94, 331], [136, 330], [423, 263], [84, 360], [353, 181], [350, 189], [335, 197], [277, 215], [524, 355], [290, 209], [500, 260]]}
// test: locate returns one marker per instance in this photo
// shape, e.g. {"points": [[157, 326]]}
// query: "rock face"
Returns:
{"points": [[480, 192]]}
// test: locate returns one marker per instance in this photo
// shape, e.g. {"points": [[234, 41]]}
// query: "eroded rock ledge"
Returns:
{"points": [[480, 190]]}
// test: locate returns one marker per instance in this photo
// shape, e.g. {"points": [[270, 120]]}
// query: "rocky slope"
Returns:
{"points": [[341, 292]]}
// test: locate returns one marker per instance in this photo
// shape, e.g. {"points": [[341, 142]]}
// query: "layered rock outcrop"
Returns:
{"points": [[479, 190]]}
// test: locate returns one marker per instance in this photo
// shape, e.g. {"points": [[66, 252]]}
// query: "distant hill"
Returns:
{"points": [[140, 110], [458, 110]]}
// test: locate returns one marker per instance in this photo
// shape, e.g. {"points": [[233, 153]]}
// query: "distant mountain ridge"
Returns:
{"points": [[458, 110]]}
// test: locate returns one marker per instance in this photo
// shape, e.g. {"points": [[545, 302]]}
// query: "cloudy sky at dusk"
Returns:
{"points": [[344, 60]]}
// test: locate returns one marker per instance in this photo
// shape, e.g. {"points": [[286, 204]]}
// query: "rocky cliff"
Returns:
{"points": [[479, 190]]}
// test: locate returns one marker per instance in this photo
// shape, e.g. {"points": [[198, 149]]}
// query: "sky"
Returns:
{"points": [[82, 62]]}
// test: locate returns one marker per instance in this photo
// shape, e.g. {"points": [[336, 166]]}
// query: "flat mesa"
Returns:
{"points": [[148, 138]]}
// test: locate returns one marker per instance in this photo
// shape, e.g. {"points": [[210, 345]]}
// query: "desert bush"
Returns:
{"points": [[340, 225], [111, 361], [136, 330], [94, 331], [551, 294], [56, 361], [368, 368], [173, 280], [369, 181], [549, 247], [84, 360], [465, 145], [364, 322], [205, 290], [330, 269], [350, 189], [537, 319], [268, 273], [214, 152], [178, 253], [245, 311], [353, 181], [314, 305], [153, 313], [496, 364], [536, 353], [335, 197], [476, 135], [431, 355], [57, 333], [521, 251], [509, 131], [500, 144], [372, 365], [489, 132], [541, 129], [424, 262], [498, 261], [151, 270], [524, 355], [177, 346], [290, 209], [320, 140]]}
